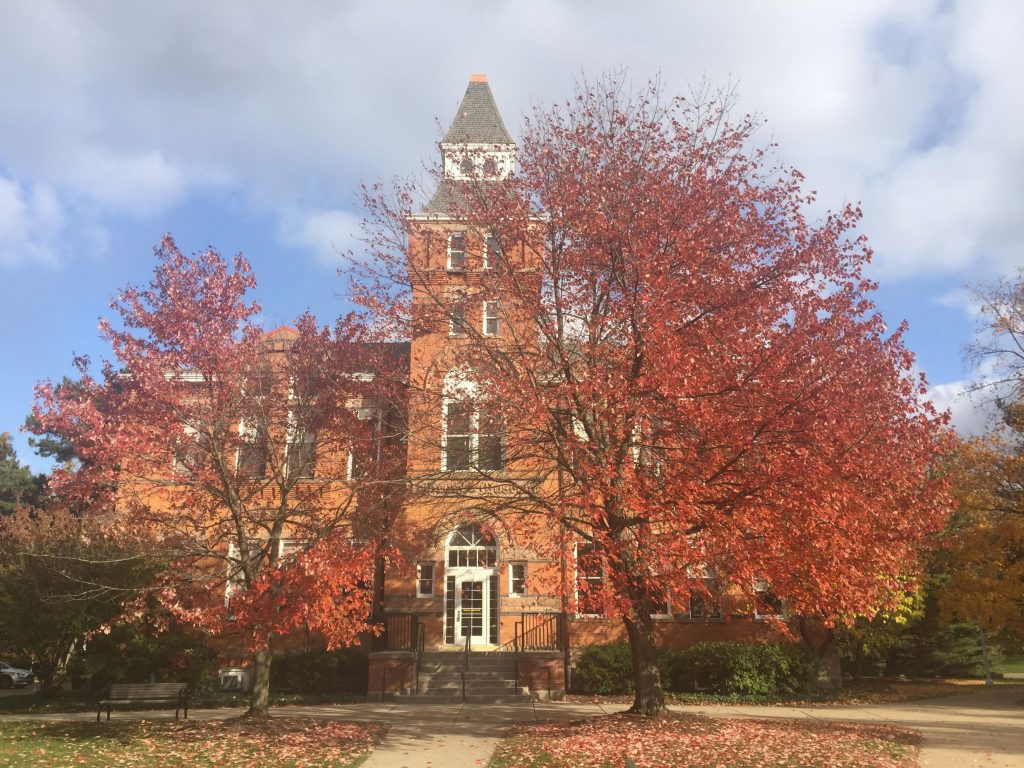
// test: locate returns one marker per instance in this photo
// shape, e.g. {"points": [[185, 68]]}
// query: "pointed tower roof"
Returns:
{"points": [[478, 121]]}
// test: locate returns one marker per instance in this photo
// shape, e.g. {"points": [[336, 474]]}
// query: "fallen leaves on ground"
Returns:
{"points": [[676, 740], [236, 743]]}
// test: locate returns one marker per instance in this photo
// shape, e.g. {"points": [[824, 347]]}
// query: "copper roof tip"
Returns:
{"points": [[480, 78]]}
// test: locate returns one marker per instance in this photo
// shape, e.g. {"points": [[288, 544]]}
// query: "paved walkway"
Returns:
{"points": [[983, 728]]}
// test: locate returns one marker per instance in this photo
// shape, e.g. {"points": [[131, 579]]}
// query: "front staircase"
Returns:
{"points": [[489, 679]]}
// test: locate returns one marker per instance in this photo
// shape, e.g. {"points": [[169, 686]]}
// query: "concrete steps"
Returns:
{"points": [[490, 679]]}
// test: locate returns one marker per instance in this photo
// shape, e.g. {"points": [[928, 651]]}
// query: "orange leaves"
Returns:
{"points": [[699, 742], [233, 743]]}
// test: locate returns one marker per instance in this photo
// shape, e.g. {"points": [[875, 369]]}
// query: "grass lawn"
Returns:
{"points": [[85, 701], [234, 743], [1009, 664], [701, 742]]}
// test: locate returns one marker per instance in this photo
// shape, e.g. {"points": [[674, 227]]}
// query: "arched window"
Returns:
{"points": [[466, 166], [472, 547]]}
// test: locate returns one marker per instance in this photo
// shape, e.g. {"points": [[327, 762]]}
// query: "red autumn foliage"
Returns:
{"points": [[227, 449], [690, 374]]}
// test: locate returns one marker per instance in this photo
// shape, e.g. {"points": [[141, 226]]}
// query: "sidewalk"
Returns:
{"points": [[983, 728]]}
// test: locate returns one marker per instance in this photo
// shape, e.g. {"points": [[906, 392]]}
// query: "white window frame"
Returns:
{"points": [[487, 252], [308, 438], [251, 437], [708, 580], [667, 615], [511, 578], [576, 583], [420, 578], [474, 436], [462, 329], [178, 467], [364, 413], [451, 237], [764, 586], [489, 306]]}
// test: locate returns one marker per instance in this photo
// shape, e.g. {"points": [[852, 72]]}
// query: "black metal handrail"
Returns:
{"points": [[420, 643], [540, 632]]}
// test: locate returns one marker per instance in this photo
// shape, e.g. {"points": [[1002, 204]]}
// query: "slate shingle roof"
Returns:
{"points": [[478, 121], [448, 198]]}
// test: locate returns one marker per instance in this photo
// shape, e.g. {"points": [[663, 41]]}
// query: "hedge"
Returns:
{"points": [[716, 667]]}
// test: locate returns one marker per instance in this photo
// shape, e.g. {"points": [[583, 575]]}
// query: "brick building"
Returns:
{"points": [[477, 581]]}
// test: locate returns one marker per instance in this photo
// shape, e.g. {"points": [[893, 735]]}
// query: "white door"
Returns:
{"points": [[471, 609]]}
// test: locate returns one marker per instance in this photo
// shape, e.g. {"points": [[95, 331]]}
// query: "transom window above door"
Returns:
{"points": [[471, 547]]}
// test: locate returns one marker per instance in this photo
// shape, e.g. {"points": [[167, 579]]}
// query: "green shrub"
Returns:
{"points": [[604, 669], [134, 652], [319, 671], [729, 668], [741, 668]]}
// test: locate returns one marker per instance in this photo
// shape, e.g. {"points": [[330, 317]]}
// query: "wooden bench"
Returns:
{"points": [[168, 694]]}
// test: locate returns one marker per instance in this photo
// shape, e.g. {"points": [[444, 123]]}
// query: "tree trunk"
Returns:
{"points": [[825, 647], [829, 656], [985, 656], [858, 664], [259, 701], [648, 696]]}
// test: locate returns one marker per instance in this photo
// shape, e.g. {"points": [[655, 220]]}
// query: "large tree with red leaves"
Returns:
{"points": [[256, 463], [689, 372]]}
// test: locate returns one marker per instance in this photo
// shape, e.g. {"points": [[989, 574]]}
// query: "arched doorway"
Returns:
{"points": [[471, 587]]}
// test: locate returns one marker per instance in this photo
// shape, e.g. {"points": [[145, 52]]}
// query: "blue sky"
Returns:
{"points": [[249, 126]]}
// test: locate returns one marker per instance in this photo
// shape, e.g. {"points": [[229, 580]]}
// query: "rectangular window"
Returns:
{"points": [[706, 606], [493, 255], [661, 608], [767, 602], [490, 449], [300, 455], [364, 447], [457, 316], [252, 453], [458, 438], [457, 251], [189, 455], [589, 581], [425, 580], [517, 579], [473, 438], [492, 312]]}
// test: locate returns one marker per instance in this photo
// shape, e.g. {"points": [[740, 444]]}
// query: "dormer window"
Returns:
{"points": [[457, 251], [466, 167]]}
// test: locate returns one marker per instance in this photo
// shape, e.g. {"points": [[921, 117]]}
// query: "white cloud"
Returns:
{"points": [[126, 183], [31, 221], [970, 415], [911, 108], [961, 299], [327, 234]]}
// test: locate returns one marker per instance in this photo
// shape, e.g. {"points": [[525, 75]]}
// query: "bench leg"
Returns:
{"points": [[99, 709], [109, 707]]}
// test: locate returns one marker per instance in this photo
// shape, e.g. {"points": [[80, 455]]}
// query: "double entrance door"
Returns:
{"points": [[471, 607]]}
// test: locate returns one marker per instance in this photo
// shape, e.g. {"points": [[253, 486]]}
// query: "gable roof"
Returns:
{"points": [[478, 121]]}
